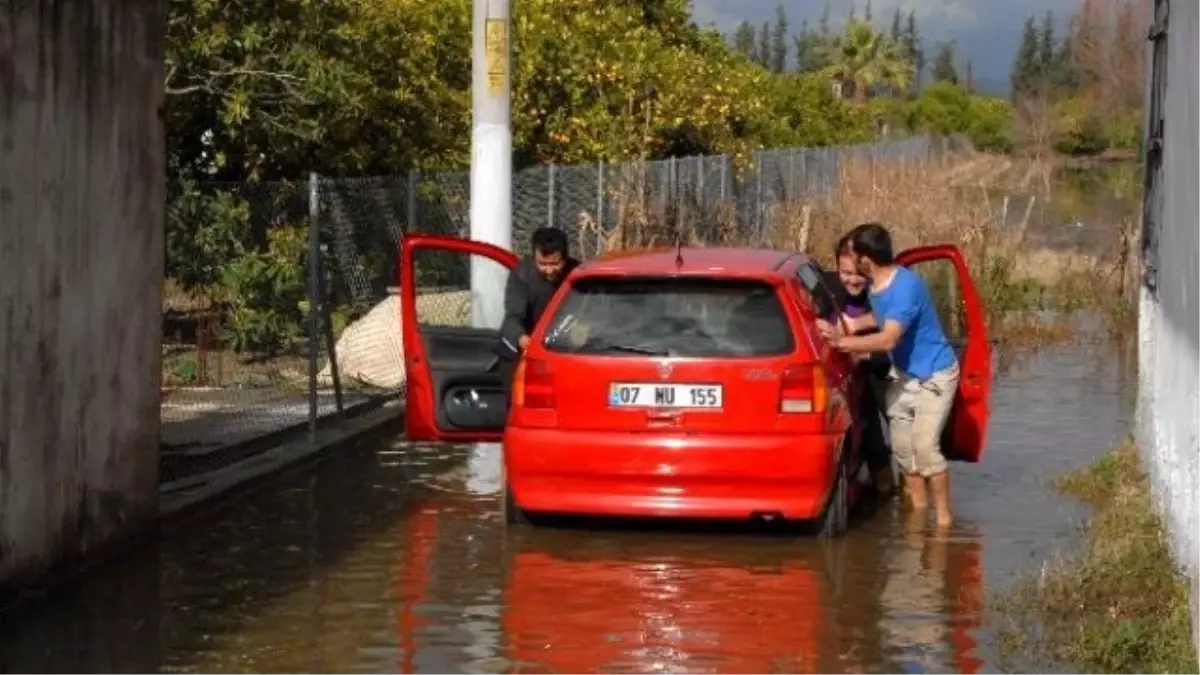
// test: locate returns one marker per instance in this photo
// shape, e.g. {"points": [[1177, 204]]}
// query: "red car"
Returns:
{"points": [[679, 383]]}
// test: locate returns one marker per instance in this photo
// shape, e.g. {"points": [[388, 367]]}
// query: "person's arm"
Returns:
{"points": [[859, 323], [883, 341], [516, 308], [895, 320], [844, 324]]}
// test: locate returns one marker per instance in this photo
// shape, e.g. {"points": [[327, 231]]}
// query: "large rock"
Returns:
{"points": [[371, 350]]}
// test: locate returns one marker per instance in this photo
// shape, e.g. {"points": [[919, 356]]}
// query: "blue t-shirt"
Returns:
{"points": [[923, 348]]}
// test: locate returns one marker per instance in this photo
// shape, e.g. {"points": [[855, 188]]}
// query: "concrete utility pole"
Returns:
{"points": [[491, 155]]}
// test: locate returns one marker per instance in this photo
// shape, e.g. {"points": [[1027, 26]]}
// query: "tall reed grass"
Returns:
{"points": [[975, 201]]}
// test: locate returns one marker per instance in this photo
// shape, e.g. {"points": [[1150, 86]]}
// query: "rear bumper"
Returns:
{"points": [[669, 475]]}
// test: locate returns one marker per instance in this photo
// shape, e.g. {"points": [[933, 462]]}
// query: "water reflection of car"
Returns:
{"points": [[676, 383], [734, 611], [646, 604]]}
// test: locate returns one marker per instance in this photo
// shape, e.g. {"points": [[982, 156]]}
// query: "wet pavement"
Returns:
{"points": [[393, 558]]}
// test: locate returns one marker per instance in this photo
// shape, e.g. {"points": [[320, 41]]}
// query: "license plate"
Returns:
{"points": [[650, 395]]}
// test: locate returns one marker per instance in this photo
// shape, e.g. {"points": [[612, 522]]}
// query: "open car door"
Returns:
{"points": [[456, 383], [961, 312]]}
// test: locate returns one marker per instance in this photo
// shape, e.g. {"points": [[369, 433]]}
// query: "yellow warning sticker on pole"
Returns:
{"points": [[495, 47]]}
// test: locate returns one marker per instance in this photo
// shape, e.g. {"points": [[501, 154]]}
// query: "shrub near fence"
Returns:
{"points": [[256, 298]]}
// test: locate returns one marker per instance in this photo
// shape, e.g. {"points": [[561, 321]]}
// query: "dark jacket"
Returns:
{"points": [[525, 299]]}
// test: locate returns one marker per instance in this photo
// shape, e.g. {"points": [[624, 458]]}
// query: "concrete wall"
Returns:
{"points": [[81, 263], [1169, 330]]}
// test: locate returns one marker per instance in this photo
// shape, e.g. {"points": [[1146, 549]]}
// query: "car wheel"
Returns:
{"points": [[836, 518], [513, 515]]}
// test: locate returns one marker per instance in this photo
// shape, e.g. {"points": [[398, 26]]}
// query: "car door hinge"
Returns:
{"points": [[1158, 29], [1150, 277], [1154, 146]]}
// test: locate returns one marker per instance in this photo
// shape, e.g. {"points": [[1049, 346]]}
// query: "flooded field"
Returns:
{"points": [[392, 558]]}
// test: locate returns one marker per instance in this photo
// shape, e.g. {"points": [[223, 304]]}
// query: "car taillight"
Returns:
{"points": [[533, 385], [804, 389]]}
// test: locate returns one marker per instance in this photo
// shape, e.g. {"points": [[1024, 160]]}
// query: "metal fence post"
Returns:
{"points": [[791, 183], [664, 194], [758, 209], [724, 161], [412, 201], [599, 207], [673, 186], [326, 318], [550, 200], [314, 294]]}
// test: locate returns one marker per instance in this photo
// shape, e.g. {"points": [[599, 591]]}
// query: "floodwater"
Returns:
{"points": [[396, 559]]}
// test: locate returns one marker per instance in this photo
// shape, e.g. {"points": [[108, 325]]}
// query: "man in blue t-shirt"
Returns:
{"points": [[925, 376]]}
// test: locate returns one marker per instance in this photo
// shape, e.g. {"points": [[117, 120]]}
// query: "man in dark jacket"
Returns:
{"points": [[530, 288]]}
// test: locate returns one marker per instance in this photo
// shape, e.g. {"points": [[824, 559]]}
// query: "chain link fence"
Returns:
{"points": [[282, 311], [243, 339]]}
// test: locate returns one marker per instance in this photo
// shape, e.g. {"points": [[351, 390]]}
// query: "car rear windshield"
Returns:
{"points": [[697, 317]]}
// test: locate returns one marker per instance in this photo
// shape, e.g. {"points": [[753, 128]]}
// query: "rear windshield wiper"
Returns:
{"points": [[636, 349]]}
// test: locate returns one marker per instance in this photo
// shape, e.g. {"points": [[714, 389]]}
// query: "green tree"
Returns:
{"points": [[868, 15], [807, 50], [944, 108], [805, 113], [743, 40], [779, 41], [262, 90], [1046, 51], [764, 45], [1025, 68], [1067, 79], [912, 50], [863, 58], [897, 26], [943, 63], [271, 91]]}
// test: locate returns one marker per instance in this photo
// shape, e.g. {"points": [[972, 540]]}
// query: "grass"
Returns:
{"points": [[1119, 605]]}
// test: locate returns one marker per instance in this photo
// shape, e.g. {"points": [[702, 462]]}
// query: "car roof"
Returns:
{"points": [[722, 260]]}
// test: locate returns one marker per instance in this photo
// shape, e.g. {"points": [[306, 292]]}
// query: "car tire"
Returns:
{"points": [[513, 515], [837, 513], [835, 521]]}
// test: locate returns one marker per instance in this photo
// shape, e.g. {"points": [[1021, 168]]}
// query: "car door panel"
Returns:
{"points": [[457, 386], [468, 379], [965, 436]]}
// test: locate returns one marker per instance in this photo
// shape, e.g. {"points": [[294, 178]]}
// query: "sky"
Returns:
{"points": [[987, 31]]}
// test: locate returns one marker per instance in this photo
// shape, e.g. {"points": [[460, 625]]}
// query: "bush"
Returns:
{"points": [[265, 291], [946, 109], [1125, 132], [990, 124], [1079, 128], [252, 272]]}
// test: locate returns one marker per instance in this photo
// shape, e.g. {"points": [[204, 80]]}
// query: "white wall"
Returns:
{"points": [[81, 262], [1169, 325]]}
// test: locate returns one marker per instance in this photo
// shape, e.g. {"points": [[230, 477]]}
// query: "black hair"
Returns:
{"points": [[548, 241], [873, 242]]}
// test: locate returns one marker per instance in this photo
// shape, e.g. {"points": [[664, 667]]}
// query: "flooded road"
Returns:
{"points": [[396, 559]]}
